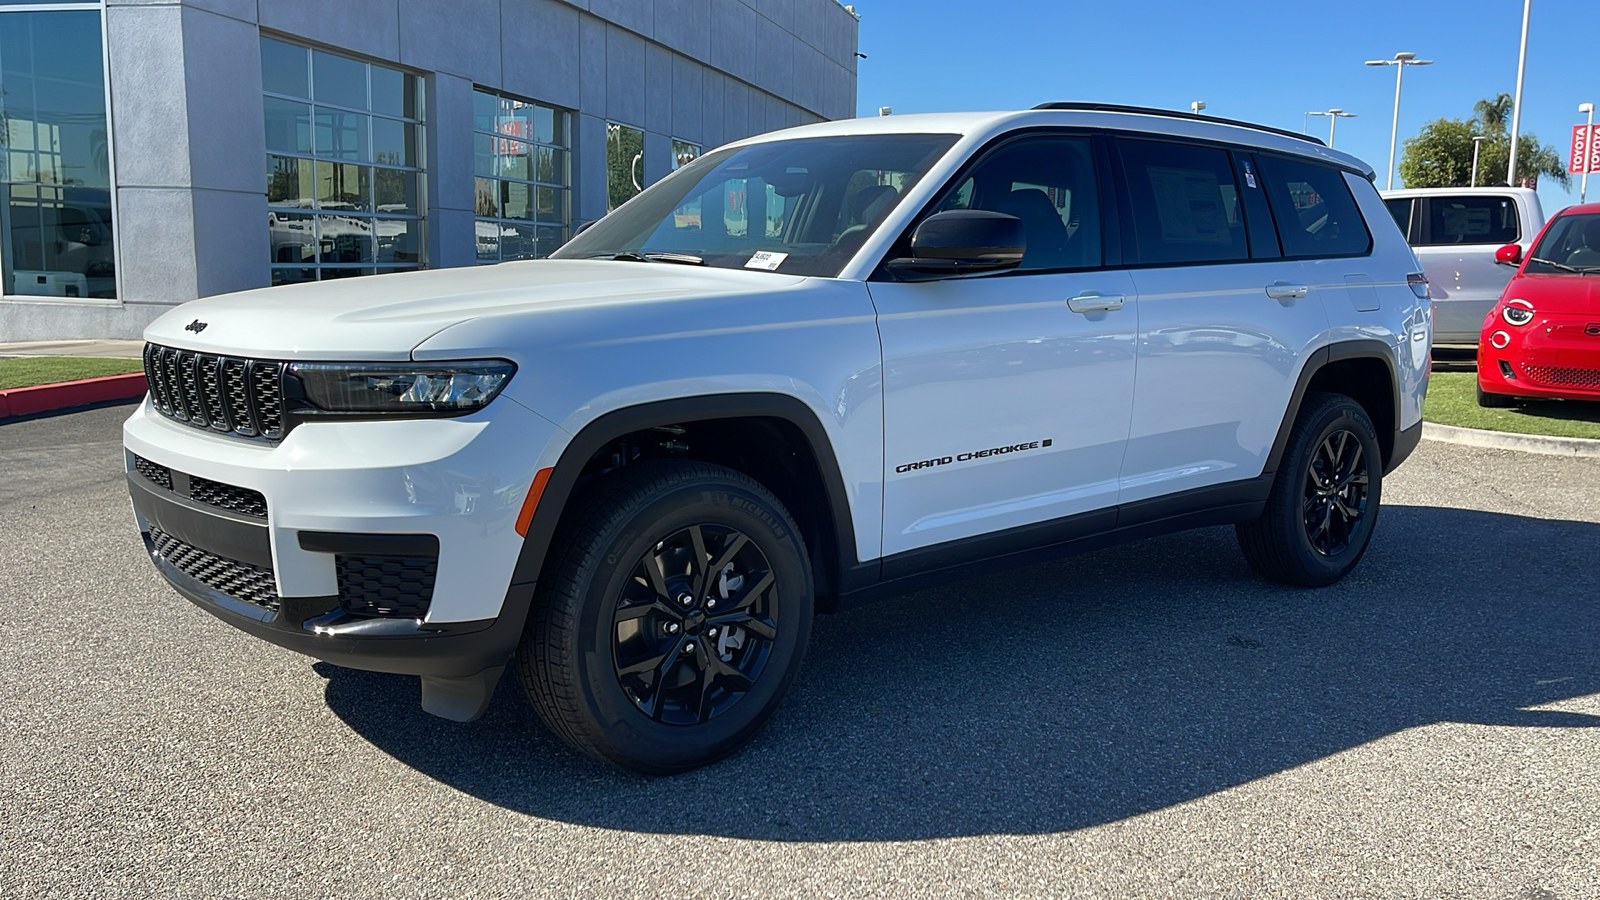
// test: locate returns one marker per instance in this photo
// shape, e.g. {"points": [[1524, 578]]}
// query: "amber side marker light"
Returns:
{"points": [[531, 503]]}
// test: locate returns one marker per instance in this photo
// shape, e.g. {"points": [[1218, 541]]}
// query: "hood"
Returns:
{"points": [[383, 317], [1565, 294]]}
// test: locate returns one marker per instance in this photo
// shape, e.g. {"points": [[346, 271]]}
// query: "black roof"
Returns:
{"points": [[1173, 114]]}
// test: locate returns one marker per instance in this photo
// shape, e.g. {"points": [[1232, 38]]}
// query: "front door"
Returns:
{"points": [[1007, 398]]}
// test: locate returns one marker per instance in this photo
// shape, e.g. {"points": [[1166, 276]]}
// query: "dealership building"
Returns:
{"points": [[157, 151]]}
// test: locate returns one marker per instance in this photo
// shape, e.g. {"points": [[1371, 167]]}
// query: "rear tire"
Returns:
{"points": [[671, 618], [1493, 401], [1324, 502]]}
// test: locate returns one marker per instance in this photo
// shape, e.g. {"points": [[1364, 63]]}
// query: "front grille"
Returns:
{"points": [[218, 393], [1555, 376], [242, 581], [399, 586], [158, 474], [226, 496]]}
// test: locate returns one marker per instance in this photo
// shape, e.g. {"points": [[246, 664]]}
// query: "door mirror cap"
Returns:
{"points": [[1509, 255], [962, 242]]}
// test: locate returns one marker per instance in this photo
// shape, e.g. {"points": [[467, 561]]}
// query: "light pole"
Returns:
{"points": [[1516, 105], [1197, 106], [1588, 149], [1400, 61], [1334, 115], [1476, 140]]}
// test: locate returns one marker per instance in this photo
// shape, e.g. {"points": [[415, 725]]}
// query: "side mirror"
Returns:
{"points": [[1509, 255], [962, 242]]}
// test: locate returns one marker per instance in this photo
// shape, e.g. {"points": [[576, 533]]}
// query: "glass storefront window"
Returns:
{"points": [[345, 170], [522, 190], [624, 164], [56, 230]]}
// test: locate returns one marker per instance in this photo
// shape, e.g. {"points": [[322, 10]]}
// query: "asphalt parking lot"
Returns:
{"points": [[1149, 720]]}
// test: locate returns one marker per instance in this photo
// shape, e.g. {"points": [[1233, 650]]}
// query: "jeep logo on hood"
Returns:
{"points": [[196, 326]]}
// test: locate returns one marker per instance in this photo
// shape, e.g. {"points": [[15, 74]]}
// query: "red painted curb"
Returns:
{"points": [[49, 397]]}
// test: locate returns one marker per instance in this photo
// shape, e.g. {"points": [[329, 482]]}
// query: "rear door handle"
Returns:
{"points": [[1283, 290], [1092, 302]]}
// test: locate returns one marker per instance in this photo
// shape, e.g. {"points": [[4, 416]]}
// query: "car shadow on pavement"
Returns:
{"points": [[1079, 692]]}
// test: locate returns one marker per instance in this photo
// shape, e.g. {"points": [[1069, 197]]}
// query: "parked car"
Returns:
{"points": [[1543, 338], [918, 346], [1456, 232]]}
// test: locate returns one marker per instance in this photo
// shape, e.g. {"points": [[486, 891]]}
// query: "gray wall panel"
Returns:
{"points": [[635, 15], [590, 188], [540, 51], [658, 88], [684, 25], [226, 130], [688, 96], [713, 94], [371, 27], [459, 38], [736, 111], [452, 239], [657, 157], [158, 249], [625, 90], [149, 113], [232, 245], [592, 72], [733, 33]]}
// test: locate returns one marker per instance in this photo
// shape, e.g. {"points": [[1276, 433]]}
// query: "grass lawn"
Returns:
{"points": [[29, 371], [1451, 401]]}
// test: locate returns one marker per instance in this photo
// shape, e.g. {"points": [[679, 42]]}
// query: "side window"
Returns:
{"points": [[1400, 209], [1185, 203], [1469, 220], [1050, 184], [1317, 216]]}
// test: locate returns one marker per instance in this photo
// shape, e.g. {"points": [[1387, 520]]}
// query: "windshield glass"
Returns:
{"points": [[1571, 246], [800, 207]]}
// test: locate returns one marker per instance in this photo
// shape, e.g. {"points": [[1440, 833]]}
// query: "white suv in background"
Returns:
{"points": [[1455, 232], [805, 370]]}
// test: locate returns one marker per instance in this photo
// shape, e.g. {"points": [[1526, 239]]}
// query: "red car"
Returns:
{"points": [[1543, 338]]}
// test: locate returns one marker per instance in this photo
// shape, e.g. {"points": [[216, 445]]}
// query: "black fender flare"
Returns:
{"points": [[1362, 348], [604, 429]]}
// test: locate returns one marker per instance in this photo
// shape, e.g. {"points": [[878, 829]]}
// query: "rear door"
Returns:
{"points": [[1225, 322], [1456, 237]]}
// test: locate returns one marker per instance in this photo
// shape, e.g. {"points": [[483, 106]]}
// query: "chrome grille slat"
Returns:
{"points": [[224, 394]]}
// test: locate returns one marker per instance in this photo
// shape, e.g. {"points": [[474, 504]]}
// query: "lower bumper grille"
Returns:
{"points": [[392, 586], [1556, 376], [242, 581], [203, 490]]}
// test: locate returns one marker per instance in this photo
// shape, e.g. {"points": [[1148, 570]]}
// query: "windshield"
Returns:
{"points": [[800, 207], [1571, 246]]}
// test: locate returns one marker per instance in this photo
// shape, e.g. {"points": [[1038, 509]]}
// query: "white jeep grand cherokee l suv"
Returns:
{"points": [[805, 370]]}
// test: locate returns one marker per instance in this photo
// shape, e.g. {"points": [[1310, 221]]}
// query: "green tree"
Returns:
{"points": [[1441, 154]]}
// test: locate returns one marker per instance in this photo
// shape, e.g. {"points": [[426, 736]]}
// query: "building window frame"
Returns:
{"points": [[111, 166], [305, 212], [502, 125]]}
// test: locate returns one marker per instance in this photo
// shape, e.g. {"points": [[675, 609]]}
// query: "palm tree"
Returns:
{"points": [[1493, 115]]}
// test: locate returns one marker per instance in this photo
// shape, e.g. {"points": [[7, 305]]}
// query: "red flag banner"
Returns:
{"points": [[1585, 155]]}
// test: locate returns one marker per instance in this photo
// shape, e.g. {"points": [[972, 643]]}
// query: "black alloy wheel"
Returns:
{"points": [[1320, 515], [671, 616], [1335, 493], [693, 628]]}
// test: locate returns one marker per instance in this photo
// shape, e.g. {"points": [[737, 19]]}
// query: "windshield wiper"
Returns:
{"points": [[652, 256], [1562, 266]]}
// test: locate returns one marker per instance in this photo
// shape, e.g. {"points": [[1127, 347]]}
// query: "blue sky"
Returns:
{"points": [[1266, 62]]}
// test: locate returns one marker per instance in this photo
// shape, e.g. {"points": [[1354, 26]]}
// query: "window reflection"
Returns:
{"points": [[344, 165], [523, 176], [56, 232]]}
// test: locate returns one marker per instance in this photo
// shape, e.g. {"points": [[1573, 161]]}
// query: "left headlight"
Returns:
{"points": [[1517, 312], [417, 388]]}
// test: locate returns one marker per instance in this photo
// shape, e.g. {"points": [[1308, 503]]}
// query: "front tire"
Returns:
{"points": [[1324, 502], [671, 619], [1493, 401]]}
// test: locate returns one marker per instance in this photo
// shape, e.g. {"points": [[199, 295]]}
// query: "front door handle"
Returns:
{"points": [[1092, 302], [1283, 290]]}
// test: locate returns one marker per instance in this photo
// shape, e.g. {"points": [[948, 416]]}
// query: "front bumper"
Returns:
{"points": [[1554, 356], [449, 489]]}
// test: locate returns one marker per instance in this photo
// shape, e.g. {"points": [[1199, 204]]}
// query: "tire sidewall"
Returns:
{"points": [[669, 748], [1341, 415]]}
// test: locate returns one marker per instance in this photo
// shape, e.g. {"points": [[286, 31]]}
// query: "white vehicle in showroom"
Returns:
{"points": [[806, 370]]}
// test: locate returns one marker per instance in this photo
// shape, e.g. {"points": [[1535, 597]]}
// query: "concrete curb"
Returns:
{"points": [[44, 398], [1502, 440]]}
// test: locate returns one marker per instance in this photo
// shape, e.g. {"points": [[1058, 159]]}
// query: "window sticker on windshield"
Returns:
{"points": [[766, 260], [1249, 175]]}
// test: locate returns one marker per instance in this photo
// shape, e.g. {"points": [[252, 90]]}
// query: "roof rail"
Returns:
{"points": [[1174, 114]]}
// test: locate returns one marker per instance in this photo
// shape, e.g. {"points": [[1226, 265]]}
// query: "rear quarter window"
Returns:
{"points": [[1469, 220], [1317, 215]]}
